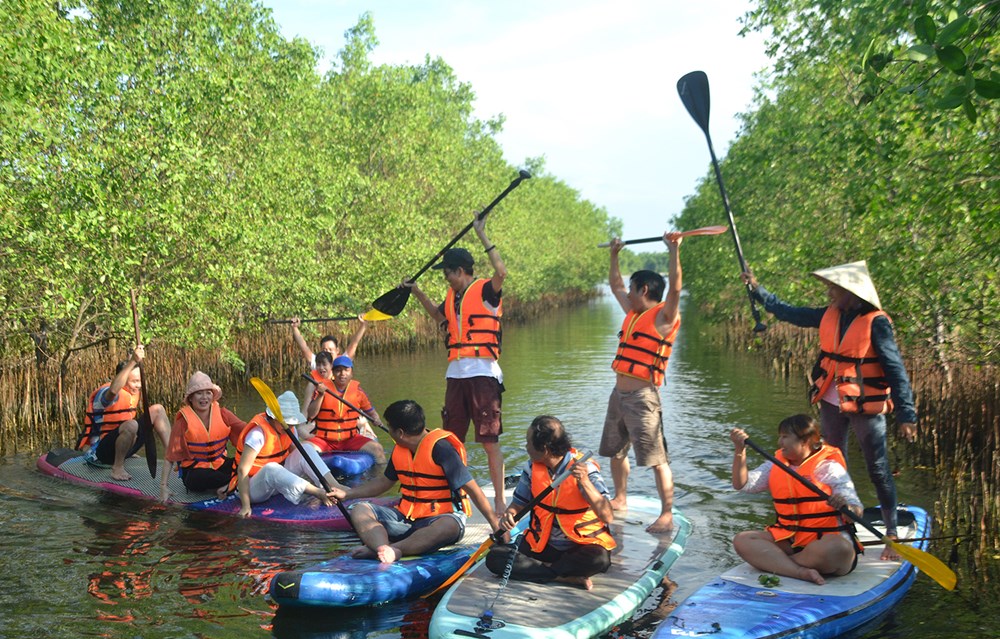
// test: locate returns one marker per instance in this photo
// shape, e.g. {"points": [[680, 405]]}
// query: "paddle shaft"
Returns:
{"points": [[349, 405], [694, 93], [145, 423], [342, 318], [708, 230]]}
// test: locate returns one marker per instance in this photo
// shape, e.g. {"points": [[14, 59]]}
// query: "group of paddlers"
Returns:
{"points": [[858, 379]]}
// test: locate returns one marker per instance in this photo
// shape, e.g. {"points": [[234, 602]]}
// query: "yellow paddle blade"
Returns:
{"points": [[268, 396], [926, 562], [376, 315]]}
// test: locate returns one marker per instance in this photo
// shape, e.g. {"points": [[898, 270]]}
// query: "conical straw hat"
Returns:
{"points": [[853, 277]]}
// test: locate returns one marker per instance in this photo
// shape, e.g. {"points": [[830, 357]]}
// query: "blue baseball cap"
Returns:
{"points": [[343, 361]]}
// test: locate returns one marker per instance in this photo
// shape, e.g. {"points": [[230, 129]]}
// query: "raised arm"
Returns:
{"points": [[307, 353], [615, 281], [352, 344], [499, 269], [670, 311]]}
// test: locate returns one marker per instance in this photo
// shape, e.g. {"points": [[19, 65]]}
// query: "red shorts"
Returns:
{"points": [[475, 399], [348, 445]]}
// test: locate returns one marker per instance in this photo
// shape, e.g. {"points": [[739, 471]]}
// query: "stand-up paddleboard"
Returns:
{"points": [[559, 610], [347, 582], [71, 466], [736, 604], [348, 463]]}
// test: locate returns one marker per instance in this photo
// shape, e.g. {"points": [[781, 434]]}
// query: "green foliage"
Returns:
{"points": [[822, 176], [185, 149]]}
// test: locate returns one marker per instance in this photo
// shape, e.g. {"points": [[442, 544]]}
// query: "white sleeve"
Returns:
{"points": [[758, 478], [836, 477], [254, 439]]}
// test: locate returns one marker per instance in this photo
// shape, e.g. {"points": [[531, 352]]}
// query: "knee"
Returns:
{"points": [[497, 559], [129, 428]]}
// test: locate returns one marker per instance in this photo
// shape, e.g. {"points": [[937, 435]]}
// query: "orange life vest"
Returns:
{"points": [[207, 444], [852, 364], [336, 422], [100, 420], [567, 506], [423, 487], [277, 444], [803, 515], [474, 329], [642, 351]]}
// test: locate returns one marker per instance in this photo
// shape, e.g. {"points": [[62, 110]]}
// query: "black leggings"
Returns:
{"points": [[199, 480], [582, 560]]}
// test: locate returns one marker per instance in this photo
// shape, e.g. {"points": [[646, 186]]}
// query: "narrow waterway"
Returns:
{"points": [[80, 564]]}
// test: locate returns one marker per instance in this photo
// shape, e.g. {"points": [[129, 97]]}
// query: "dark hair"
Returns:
{"points": [[406, 415], [548, 435], [653, 282], [324, 356], [330, 338], [804, 427]]}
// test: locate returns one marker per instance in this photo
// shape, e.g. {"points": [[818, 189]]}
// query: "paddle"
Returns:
{"points": [[368, 316], [497, 536], [392, 302], [693, 89], [706, 230], [349, 405], [145, 422], [272, 402], [926, 562]]}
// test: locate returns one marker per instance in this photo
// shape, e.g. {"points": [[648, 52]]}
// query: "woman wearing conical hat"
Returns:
{"points": [[859, 376]]}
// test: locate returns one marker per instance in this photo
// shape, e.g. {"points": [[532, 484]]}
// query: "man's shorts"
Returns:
{"points": [[635, 419], [475, 399], [399, 527], [326, 446], [105, 451]]}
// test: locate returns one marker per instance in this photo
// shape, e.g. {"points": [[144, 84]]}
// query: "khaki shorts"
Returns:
{"points": [[635, 419]]}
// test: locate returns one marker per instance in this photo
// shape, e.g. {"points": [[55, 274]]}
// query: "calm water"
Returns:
{"points": [[80, 564]]}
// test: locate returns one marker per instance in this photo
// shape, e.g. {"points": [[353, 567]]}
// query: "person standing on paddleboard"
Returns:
{"points": [[634, 416], [859, 376], [470, 315]]}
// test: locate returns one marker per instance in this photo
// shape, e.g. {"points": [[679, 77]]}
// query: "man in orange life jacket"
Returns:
{"points": [[859, 376], [471, 315], [634, 415], [435, 490], [568, 538], [111, 432]]}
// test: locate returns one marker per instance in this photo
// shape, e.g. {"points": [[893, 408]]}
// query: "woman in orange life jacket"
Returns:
{"points": [[111, 432], [810, 538], [268, 463], [859, 377], [435, 490], [337, 425], [198, 440], [568, 538]]}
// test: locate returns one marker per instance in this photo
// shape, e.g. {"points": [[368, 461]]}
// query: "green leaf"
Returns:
{"points": [[958, 28], [970, 110], [919, 52], [925, 29], [952, 57], [988, 89], [955, 97]]}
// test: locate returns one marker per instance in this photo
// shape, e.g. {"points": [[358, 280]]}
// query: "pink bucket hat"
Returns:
{"points": [[199, 382]]}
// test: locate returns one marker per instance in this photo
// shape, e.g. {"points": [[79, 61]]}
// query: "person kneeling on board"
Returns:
{"points": [[435, 488], [810, 538], [568, 538], [267, 462]]}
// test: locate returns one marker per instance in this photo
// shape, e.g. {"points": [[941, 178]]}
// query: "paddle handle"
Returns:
{"points": [[138, 341], [522, 176], [350, 405]]}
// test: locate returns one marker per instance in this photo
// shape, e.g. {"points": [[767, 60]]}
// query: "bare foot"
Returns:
{"points": [[889, 553], [118, 473], [663, 524], [222, 492], [362, 552], [583, 582], [810, 574], [619, 504], [388, 554]]}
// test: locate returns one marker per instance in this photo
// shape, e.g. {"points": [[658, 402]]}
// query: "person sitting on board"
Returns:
{"points": [[328, 343], [634, 416], [435, 491], [568, 538], [198, 440], [810, 538], [859, 376], [471, 318], [110, 429], [337, 425], [268, 463]]}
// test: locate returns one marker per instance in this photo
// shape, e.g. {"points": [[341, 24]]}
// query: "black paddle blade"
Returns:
{"points": [[693, 89], [148, 442], [393, 302]]}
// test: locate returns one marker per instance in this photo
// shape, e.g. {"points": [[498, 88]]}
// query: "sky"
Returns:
{"points": [[590, 85]]}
